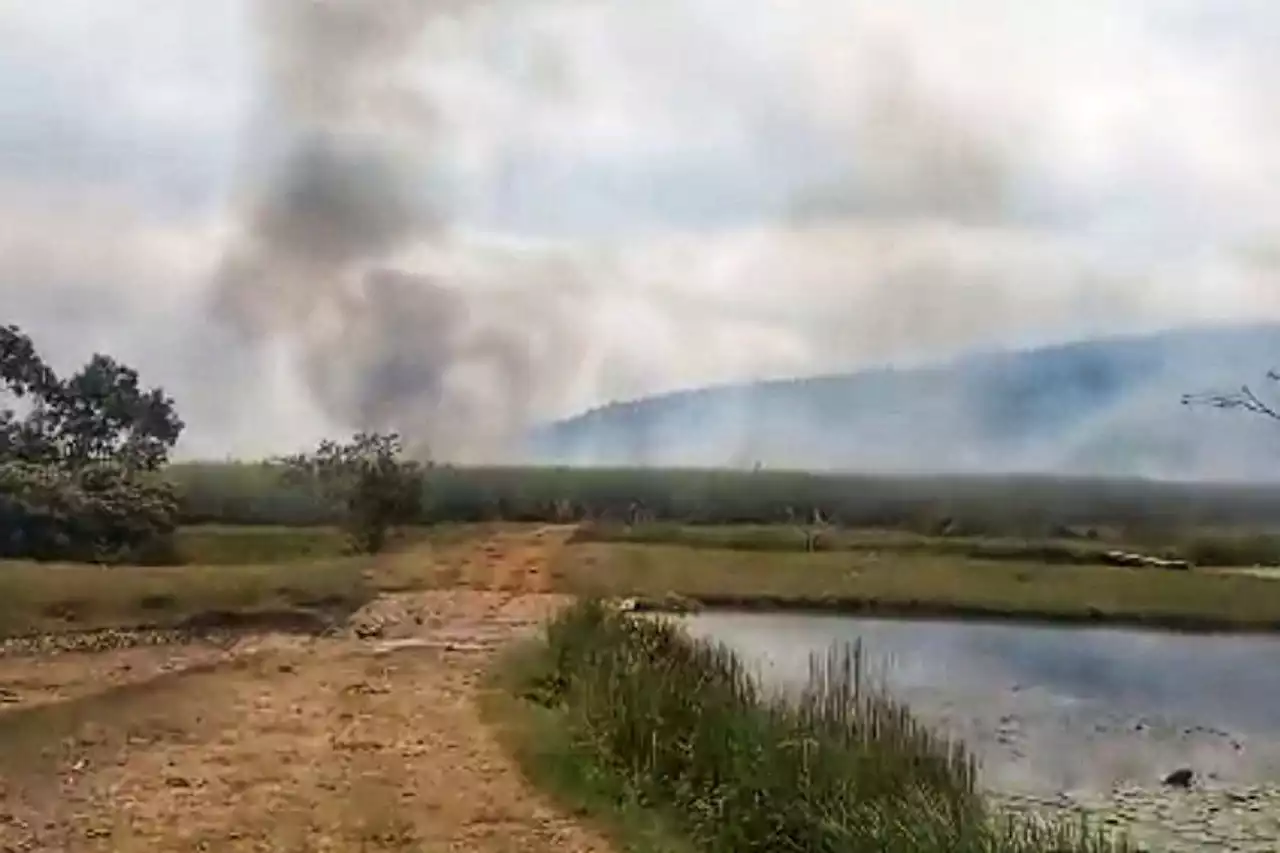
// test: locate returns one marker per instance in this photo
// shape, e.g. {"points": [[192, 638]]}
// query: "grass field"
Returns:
{"points": [[228, 545], [1201, 547], [918, 581], [245, 493], [235, 573], [268, 570]]}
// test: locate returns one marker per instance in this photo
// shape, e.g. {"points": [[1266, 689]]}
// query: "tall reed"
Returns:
{"points": [[839, 768]]}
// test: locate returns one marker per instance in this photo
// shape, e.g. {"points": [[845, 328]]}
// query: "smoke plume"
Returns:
{"points": [[341, 155]]}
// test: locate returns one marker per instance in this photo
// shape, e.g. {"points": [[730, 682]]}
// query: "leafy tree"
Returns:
{"points": [[77, 463], [368, 481], [104, 415]]}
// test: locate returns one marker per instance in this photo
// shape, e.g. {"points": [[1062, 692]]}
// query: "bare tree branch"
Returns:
{"points": [[1246, 399]]}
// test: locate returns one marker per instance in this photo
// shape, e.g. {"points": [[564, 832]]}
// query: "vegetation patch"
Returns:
{"points": [[79, 457], [922, 584], [38, 598], [1205, 548], [221, 545], [647, 728], [1026, 507]]}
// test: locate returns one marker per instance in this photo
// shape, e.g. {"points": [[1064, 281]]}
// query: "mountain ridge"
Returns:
{"points": [[1097, 406]]}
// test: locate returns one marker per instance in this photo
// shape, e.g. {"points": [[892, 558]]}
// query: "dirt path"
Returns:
{"points": [[365, 742]]}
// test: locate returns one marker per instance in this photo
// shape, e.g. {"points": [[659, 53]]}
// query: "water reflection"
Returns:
{"points": [[1049, 707]]}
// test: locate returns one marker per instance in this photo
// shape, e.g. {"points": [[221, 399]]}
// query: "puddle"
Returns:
{"points": [[1052, 708]]}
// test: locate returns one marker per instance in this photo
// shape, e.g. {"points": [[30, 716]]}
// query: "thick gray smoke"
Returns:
{"points": [[339, 160]]}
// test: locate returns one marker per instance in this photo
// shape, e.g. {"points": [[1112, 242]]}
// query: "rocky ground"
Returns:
{"points": [[364, 738]]}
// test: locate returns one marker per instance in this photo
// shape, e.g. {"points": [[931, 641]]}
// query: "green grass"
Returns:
{"points": [[672, 747], [1206, 548], [791, 538], [923, 584], [557, 762]]}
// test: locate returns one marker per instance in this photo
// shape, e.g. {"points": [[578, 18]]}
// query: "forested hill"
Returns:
{"points": [[1109, 407]]}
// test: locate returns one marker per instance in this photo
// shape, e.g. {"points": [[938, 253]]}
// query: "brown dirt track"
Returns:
{"points": [[365, 741]]}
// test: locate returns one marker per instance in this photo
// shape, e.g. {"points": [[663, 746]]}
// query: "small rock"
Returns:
{"points": [[1180, 778], [369, 632]]}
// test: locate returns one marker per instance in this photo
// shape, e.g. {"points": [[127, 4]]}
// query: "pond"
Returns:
{"points": [[1051, 708]]}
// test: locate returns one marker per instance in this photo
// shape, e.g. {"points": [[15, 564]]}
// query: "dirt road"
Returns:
{"points": [[367, 741]]}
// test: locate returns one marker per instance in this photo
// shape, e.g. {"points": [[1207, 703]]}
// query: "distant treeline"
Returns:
{"points": [[246, 493]]}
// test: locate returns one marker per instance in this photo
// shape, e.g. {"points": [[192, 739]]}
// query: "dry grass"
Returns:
{"points": [[55, 598], [924, 584], [42, 598]]}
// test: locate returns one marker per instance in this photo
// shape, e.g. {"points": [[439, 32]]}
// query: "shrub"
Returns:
{"points": [[78, 467], [841, 768], [366, 481]]}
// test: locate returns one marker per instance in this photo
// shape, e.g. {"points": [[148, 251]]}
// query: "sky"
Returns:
{"points": [[589, 201]]}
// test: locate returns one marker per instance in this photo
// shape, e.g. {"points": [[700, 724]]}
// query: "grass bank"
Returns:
{"points": [[52, 599], [239, 545], [238, 575], [671, 745], [1217, 548], [923, 584]]}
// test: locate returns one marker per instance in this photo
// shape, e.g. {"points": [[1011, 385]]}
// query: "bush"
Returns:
{"points": [[368, 484], [841, 768], [78, 467], [100, 514]]}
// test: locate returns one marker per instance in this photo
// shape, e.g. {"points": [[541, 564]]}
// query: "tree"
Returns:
{"points": [[77, 463], [1245, 399], [104, 415], [369, 482]]}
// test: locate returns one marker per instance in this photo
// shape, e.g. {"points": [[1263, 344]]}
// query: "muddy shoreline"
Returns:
{"points": [[928, 611]]}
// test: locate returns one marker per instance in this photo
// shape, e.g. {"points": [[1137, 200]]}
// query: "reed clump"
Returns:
{"points": [[682, 727]]}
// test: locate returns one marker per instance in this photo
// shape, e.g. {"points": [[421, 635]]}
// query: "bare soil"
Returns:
{"points": [[367, 739]]}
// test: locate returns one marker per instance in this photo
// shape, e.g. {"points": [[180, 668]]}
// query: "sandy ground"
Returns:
{"points": [[365, 741]]}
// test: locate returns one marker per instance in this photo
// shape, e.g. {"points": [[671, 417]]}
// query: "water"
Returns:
{"points": [[1049, 708]]}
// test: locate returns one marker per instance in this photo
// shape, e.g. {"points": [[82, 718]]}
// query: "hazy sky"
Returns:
{"points": [[632, 197]]}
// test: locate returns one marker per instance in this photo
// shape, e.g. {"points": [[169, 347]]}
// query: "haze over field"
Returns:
{"points": [[459, 219]]}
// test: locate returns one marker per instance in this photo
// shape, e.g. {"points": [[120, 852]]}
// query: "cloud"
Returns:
{"points": [[460, 218]]}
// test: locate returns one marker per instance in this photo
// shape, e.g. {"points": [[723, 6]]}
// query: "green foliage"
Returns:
{"points": [[77, 467], [681, 726], [1067, 519], [368, 479], [99, 513]]}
